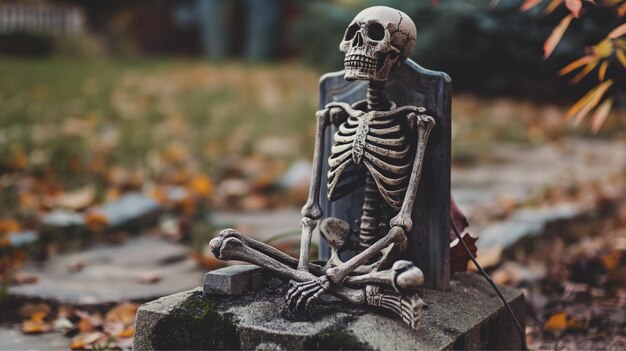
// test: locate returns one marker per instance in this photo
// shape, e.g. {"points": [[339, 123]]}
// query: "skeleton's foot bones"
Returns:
{"points": [[407, 306]]}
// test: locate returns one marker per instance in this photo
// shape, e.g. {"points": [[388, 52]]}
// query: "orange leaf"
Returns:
{"points": [[529, 4], [9, 226], [617, 32], [589, 101], [602, 70], [621, 10], [96, 222], [574, 7], [127, 333], [600, 115], [590, 66], [557, 322], [552, 6], [575, 64], [555, 37], [202, 186], [123, 313]]}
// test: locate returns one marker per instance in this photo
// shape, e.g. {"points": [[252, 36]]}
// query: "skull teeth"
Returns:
{"points": [[360, 61]]}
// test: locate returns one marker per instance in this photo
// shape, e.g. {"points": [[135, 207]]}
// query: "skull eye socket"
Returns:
{"points": [[376, 31], [351, 31]]}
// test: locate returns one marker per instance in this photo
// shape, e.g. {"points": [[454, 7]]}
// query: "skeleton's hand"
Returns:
{"points": [[300, 295]]}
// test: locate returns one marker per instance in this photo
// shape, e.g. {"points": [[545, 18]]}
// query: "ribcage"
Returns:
{"points": [[378, 143]]}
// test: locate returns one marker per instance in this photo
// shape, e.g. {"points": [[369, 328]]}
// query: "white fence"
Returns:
{"points": [[32, 18]]}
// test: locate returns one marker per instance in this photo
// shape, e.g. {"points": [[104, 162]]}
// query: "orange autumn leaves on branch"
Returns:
{"points": [[611, 51]]}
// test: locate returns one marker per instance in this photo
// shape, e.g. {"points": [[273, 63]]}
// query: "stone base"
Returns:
{"points": [[469, 316]]}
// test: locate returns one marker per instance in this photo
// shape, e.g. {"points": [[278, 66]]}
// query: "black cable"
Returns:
{"points": [[520, 331]]}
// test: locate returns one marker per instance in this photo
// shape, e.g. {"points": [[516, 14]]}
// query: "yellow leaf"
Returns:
{"points": [[590, 66], [529, 4], [602, 70], [575, 64], [553, 5], [621, 57], [588, 102], [555, 37], [600, 115], [574, 7], [617, 32], [603, 49], [557, 322]]}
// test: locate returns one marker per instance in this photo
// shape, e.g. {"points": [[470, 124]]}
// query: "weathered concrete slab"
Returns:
{"points": [[469, 316], [141, 269], [232, 280], [13, 339]]}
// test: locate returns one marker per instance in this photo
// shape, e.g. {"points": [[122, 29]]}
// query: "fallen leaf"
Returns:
{"points": [[201, 186], [77, 200], [36, 324], [75, 267], [123, 313], [23, 278], [88, 340], [557, 322], [458, 255], [148, 277], [96, 222], [205, 261]]}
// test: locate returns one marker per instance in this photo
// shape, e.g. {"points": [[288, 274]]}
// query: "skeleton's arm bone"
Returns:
{"points": [[424, 124], [339, 273], [312, 210]]}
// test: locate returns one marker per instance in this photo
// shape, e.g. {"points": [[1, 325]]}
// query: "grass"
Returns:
{"points": [[79, 120]]}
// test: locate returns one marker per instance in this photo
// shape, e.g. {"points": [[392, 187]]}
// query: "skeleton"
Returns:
{"points": [[378, 145]]}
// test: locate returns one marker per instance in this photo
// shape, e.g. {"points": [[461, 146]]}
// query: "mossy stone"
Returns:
{"points": [[196, 324]]}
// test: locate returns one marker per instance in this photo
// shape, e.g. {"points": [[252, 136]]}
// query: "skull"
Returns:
{"points": [[377, 40]]}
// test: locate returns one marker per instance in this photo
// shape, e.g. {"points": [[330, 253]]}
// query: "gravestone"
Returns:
{"points": [[429, 241]]}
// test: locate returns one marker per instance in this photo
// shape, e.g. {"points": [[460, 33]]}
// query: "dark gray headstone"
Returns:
{"points": [[429, 244]]}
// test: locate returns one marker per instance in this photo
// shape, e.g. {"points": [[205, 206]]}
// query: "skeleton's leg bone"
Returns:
{"points": [[268, 250], [338, 274], [408, 307], [403, 277], [305, 243], [232, 248]]}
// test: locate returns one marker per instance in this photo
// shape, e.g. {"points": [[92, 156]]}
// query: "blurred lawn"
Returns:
{"points": [[56, 111], [83, 122]]}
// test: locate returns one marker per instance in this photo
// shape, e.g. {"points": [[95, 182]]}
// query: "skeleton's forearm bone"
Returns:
{"points": [[312, 208], [308, 225], [424, 126], [339, 273]]}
